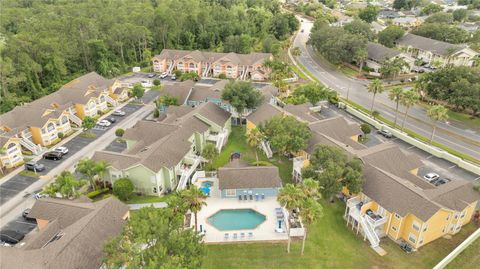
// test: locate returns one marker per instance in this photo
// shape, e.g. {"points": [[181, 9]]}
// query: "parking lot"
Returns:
{"points": [[20, 225], [13, 186], [432, 164]]}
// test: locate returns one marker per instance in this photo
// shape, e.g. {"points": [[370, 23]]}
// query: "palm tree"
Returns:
{"points": [[375, 87], [437, 113], [194, 198], [408, 99], [68, 185], [311, 187], [88, 168], [101, 168], [311, 211], [395, 95], [375, 114], [209, 152], [290, 196], [254, 138]]}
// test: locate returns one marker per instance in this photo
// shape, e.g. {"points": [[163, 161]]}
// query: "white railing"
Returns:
{"points": [[370, 233], [376, 223], [182, 183], [111, 101], [170, 68], [75, 119], [266, 148], [35, 149], [205, 70]]}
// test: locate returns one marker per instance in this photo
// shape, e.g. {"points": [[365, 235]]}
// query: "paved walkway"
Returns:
{"points": [[138, 206]]}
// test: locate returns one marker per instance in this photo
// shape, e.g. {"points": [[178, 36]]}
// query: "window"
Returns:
{"points": [[463, 215], [394, 228], [230, 192], [64, 119], [456, 216], [448, 217], [416, 226], [421, 241], [50, 127], [11, 145], [192, 65], [154, 189], [458, 227], [425, 228], [102, 99], [412, 238], [397, 216]]}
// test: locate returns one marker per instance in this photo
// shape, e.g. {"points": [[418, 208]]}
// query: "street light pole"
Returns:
{"points": [[348, 91]]}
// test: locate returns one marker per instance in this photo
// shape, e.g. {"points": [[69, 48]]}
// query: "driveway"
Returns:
{"points": [[21, 225]]}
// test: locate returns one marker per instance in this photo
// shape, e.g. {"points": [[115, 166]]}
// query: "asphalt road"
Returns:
{"points": [[450, 133]]}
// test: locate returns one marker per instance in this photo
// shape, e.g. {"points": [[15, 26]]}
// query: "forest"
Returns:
{"points": [[46, 43]]}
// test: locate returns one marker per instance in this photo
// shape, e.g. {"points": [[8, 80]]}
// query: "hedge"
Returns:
{"points": [[97, 193]]}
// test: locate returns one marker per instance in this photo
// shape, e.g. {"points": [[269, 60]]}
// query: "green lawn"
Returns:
{"points": [[467, 259], [237, 143], [330, 244], [145, 199], [466, 119]]}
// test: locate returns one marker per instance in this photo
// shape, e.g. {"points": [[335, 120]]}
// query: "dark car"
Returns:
{"points": [[25, 214], [33, 166], [151, 75], [53, 155], [11, 237], [112, 119]]}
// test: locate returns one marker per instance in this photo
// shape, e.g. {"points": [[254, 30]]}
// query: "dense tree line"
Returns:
{"points": [[47, 43], [337, 44], [458, 86]]}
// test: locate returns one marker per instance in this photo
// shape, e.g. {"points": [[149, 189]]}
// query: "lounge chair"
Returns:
{"points": [[242, 235], [256, 197], [251, 197], [263, 196], [245, 197], [234, 235], [240, 198], [226, 236], [250, 234]]}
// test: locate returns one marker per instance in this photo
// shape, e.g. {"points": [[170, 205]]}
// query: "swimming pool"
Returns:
{"points": [[207, 184], [236, 219]]}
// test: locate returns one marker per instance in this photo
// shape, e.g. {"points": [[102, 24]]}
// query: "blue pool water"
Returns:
{"points": [[236, 219], [207, 184]]}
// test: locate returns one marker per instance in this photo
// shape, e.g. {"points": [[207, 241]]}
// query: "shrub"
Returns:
{"points": [[61, 135], [262, 163], [222, 76], [119, 132], [156, 82], [96, 193], [178, 73], [156, 113], [366, 129], [123, 188]]}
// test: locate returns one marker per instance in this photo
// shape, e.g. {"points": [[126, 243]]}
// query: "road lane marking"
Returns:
{"points": [[452, 166], [411, 147]]}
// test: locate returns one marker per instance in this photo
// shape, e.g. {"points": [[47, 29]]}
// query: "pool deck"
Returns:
{"points": [[263, 232]]}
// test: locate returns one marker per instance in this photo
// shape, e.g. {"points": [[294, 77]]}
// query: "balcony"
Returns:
{"points": [[375, 219]]}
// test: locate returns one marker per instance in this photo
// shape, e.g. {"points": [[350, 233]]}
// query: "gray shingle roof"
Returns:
{"points": [[179, 90], [338, 129], [263, 113], [81, 246], [302, 112], [428, 44], [249, 177], [380, 53]]}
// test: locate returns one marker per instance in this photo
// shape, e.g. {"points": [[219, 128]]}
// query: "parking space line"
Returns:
{"points": [[22, 222], [452, 166], [429, 157]]}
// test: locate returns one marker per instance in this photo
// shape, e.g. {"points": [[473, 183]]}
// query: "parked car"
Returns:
{"points": [[33, 166], [53, 155], [163, 75], [173, 77], [39, 194], [11, 237], [151, 75], [111, 119], [120, 113], [25, 214], [104, 123], [146, 83], [62, 150], [431, 177], [385, 133], [440, 181]]}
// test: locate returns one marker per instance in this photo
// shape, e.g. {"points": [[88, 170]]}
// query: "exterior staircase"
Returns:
{"points": [[369, 232], [28, 144], [182, 183], [170, 68], [75, 119], [111, 101], [206, 70], [266, 148]]}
